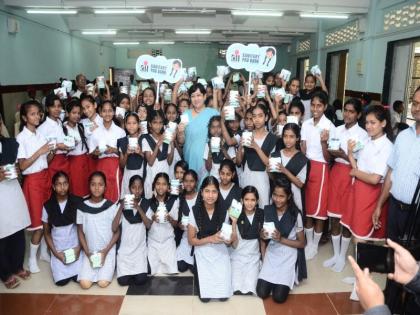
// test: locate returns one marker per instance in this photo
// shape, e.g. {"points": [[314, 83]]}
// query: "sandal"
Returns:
{"points": [[24, 274], [12, 283]]}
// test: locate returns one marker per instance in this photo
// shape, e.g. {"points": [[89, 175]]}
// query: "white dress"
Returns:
{"points": [[132, 253], [14, 213], [279, 265], [98, 233], [63, 237], [177, 157], [161, 244], [152, 171], [213, 268], [258, 179], [183, 251], [297, 194], [246, 263]]}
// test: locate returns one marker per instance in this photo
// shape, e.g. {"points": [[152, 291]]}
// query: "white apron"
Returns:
{"points": [[132, 253]]}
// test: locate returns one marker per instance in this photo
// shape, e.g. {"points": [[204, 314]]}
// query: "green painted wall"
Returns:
{"points": [[44, 50]]}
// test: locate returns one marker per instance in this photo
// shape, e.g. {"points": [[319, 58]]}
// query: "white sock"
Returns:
{"points": [[353, 295], [44, 254], [317, 237], [33, 251], [32, 262], [309, 233], [336, 249], [341, 260]]}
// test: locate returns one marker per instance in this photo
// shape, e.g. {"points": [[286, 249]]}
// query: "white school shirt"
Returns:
{"points": [[110, 136], [311, 134], [374, 156], [98, 120], [345, 134], [79, 148], [51, 128], [29, 143]]}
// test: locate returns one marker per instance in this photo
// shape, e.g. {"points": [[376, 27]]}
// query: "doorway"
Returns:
{"points": [[401, 78], [336, 73]]}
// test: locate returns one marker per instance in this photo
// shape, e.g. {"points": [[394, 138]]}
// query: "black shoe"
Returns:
{"points": [[223, 299], [204, 300], [237, 293]]}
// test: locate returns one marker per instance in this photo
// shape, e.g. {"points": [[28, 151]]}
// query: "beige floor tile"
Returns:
{"points": [[236, 305], [157, 305]]}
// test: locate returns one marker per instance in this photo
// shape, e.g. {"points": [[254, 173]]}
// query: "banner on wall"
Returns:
{"points": [[251, 57], [159, 68]]}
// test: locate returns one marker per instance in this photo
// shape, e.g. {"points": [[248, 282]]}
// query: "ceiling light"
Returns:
{"points": [[161, 43], [119, 11], [324, 15], [187, 11], [51, 11], [256, 13], [99, 32], [126, 43], [196, 31]]}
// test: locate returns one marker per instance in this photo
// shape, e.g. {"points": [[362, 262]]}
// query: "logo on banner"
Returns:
{"points": [[251, 57], [159, 68]]}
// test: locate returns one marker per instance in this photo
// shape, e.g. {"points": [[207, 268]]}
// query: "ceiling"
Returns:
{"points": [[161, 18]]}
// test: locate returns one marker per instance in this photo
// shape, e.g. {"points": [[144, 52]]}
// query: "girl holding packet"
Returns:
{"points": [[278, 273], [52, 130], [254, 150], [132, 252], [131, 156], [95, 216], [163, 213], [14, 216], [60, 230], [206, 222], [315, 134], [294, 163], [103, 145], [90, 123], [308, 92], [78, 157], [34, 154], [216, 150], [245, 256], [186, 202], [369, 172], [229, 187], [159, 152], [341, 182]]}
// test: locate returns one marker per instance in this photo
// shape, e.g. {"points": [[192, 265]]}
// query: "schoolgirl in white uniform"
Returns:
{"points": [[131, 157], [60, 230], [213, 270], [315, 133], [103, 145], [341, 182], [184, 257], [159, 155], [280, 257], [246, 256], [163, 212], [132, 252], [34, 154], [256, 156], [94, 223]]}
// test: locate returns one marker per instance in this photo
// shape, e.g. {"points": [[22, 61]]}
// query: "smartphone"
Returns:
{"points": [[375, 257]]}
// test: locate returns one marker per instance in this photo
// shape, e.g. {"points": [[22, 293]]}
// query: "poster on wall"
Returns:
{"points": [[251, 57], [159, 68]]}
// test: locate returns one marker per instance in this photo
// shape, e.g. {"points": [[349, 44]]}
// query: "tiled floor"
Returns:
{"points": [[323, 292]]}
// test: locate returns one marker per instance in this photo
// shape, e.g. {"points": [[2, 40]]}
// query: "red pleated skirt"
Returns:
{"points": [[37, 189], [358, 218], [339, 189], [79, 174], [316, 191], [111, 168]]}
